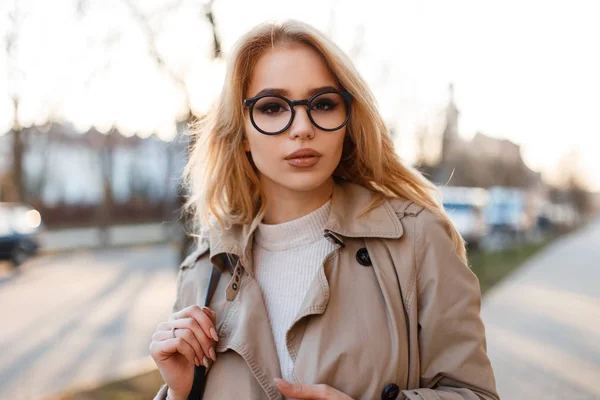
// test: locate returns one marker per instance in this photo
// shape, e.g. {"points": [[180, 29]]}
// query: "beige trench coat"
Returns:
{"points": [[392, 313]]}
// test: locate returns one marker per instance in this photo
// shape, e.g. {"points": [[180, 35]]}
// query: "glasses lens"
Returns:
{"points": [[329, 110], [271, 114]]}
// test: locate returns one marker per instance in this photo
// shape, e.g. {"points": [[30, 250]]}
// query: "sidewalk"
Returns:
{"points": [[75, 319], [120, 235], [543, 323]]}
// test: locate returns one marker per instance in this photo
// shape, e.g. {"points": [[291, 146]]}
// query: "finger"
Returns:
{"points": [[201, 317], [211, 314], [207, 320], [159, 336], [190, 338], [204, 342], [303, 391], [162, 350]]}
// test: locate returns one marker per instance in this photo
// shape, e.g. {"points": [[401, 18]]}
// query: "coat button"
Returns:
{"points": [[362, 256], [390, 392]]}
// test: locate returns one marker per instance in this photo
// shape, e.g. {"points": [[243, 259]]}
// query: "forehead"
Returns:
{"points": [[296, 68]]}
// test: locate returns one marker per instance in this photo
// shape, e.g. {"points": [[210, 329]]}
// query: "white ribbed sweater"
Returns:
{"points": [[286, 258]]}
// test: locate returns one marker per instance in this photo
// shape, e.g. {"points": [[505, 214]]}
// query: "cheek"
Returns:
{"points": [[261, 146], [337, 143]]}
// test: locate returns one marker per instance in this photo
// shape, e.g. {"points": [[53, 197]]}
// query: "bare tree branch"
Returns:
{"points": [[151, 35], [208, 12]]}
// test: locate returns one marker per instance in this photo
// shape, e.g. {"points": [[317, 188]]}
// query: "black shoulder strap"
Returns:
{"points": [[212, 285], [200, 372]]}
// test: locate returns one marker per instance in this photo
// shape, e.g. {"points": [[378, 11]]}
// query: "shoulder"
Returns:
{"points": [[201, 250], [193, 276], [415, 216], [424, 225], [405, 207], [434, 248]]}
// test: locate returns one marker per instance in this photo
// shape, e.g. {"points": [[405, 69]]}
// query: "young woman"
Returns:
{"points": [[341, 277]]}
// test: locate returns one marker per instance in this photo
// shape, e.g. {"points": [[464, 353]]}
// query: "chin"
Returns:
{"points": [[303, 182]]}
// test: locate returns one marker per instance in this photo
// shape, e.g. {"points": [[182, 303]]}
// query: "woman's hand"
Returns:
{"points": [[176, 351], [314, 392]]}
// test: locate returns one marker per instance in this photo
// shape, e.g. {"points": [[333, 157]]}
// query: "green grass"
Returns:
{"points": [[492, 267], [489, 267]]}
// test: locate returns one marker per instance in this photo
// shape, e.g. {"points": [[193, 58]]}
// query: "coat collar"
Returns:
{"points": [[347, 202]]}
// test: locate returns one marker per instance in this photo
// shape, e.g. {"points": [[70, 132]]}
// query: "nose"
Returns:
{"points": [[301, 127]]}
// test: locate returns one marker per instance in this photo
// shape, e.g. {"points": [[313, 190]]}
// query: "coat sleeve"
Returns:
{"points": [[162, 392], [452, 345]]}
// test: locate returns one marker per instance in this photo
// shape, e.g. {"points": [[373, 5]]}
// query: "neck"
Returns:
{"points": [[285, 204]]}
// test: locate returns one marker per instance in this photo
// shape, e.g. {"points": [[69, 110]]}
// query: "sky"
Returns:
{"points": [[527, 71]]}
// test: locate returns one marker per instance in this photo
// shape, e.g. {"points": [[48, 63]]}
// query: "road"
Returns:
{"points": [[77, 318], [543, 323]]}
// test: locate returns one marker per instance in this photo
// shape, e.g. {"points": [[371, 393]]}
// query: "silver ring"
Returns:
{"points": [[173, 332]]}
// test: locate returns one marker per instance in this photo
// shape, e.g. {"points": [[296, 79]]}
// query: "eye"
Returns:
{"points": [[324, 105], [271, 106]]}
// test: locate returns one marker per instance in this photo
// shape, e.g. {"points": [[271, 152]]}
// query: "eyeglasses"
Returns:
{"points": [[272, 114]]}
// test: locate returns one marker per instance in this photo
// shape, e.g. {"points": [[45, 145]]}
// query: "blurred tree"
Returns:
{"points": [[15, 76], [570, 181], [152, 32], [40, 143], [580, 197], [421, 138], [106, 167], [208, 12]]}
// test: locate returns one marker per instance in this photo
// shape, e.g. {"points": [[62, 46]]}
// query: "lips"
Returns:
{"points": [[303, 158], [303, 153]]}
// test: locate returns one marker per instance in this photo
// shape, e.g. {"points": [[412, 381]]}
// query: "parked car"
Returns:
{"points": [[464, 206], [507, 211], [468, 220], [20, 225]]}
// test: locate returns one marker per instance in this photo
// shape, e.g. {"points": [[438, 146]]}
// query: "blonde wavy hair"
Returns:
{"points": [[221, 179]]}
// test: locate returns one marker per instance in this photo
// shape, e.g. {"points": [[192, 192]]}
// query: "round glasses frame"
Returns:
{"points": [[250, 103]]}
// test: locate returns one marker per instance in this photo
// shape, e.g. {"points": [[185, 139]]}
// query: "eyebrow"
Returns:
{"points": [[285, 93]]}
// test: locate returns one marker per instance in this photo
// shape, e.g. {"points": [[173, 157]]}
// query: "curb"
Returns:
{"points": [[44, 251]]}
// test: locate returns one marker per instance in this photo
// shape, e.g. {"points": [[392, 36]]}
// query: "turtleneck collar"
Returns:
{"points": [[298, 232]]}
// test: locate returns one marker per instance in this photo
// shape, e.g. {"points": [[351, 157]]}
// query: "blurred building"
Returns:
{"points": [[482, 161], [65, 168]]}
